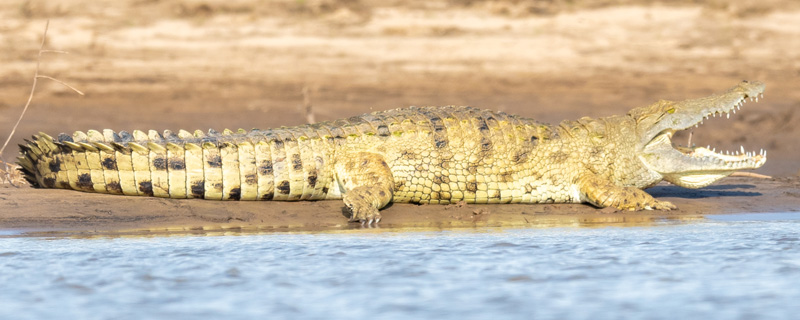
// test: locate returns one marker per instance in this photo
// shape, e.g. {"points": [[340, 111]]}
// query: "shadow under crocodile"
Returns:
{"points": [[714, 191]]}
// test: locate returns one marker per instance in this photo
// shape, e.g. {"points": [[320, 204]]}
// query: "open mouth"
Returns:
{"points": [[723, 160]]}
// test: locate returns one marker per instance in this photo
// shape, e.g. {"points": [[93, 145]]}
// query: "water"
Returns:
{"points": [[724, 267]]}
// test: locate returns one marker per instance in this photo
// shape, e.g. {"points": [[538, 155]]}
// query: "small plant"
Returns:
{"points": [[8, 172]]}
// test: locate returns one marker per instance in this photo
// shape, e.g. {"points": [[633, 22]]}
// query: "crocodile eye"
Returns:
{"points": [[671, 110]]}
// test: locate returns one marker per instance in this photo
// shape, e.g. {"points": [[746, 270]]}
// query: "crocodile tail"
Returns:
{"points": [[30, 153], [219, 166]]}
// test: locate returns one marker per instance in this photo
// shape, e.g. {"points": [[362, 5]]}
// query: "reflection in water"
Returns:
{"points": [[496, 221], [657, 269]]}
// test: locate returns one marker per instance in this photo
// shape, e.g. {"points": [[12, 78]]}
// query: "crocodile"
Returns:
{"points": [[437, 155]]}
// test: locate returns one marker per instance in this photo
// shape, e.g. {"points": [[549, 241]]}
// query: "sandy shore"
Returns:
{"points": [[241, 64], [61, 212]]}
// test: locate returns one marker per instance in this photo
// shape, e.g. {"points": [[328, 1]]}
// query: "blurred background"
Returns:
{"points": [[186, 64]]}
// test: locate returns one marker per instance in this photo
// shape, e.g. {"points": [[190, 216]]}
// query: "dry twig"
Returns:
{"points": [[310, 118], [750, 175], [9, 175]]}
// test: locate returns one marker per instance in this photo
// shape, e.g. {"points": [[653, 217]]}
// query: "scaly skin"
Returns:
{"points": [[419, 155]]}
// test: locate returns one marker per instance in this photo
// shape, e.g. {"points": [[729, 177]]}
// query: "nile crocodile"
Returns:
{"points": [[417, 154]]}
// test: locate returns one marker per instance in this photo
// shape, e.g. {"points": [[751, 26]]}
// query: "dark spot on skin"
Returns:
{"points": [[277, 143], [506, 177], [198, 189], [434, 195], [482, 126], [64, 185], [472, 168], [251, 178], [64, 137], [55, 165], [408, 155], [325, 190], [217, 186], [176, 164], [109, 164], [438, 124], [114, 187], [382, 193], [85, 181], [534, 140], [283, 187], [312, 180], [265, 169], [441, 143], [235, 194], [267, 196], [496, 194], [297, 165], [486, 144], [49, 182], [215, 161], [520, 157], [146, 187], [472, 186], [160, 163], [528, 188], [383, 131]]}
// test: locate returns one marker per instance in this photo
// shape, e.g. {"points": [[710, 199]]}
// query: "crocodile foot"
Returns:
{"points": [[649, 204], [361, 209]]}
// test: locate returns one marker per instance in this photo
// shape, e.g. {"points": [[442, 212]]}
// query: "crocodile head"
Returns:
{"points": [[693, 167]]}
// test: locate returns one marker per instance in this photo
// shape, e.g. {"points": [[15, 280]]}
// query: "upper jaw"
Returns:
{"points": [[690, 113], [667, 159]]}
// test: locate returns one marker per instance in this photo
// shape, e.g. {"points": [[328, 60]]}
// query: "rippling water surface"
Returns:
{"points": [[724, 267]]}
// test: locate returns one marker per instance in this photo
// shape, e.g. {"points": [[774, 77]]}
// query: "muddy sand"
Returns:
{"points": [[245, 64]]}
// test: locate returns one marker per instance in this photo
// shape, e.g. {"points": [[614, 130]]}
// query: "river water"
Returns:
{"points": [[720, 267]]}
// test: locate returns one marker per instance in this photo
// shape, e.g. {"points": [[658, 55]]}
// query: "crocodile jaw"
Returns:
{"points": [[695, 167]]}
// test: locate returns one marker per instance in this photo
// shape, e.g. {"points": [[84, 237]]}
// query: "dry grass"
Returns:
{"points": [[10, 174]]}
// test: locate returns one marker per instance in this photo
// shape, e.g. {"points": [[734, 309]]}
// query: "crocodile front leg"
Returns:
{"points": [[602, 193], [368, 185]]}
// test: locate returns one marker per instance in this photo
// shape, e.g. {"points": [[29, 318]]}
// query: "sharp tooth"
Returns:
{"points": [[741, 148], [734, 111], [756, 98], [728, 115]]}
